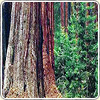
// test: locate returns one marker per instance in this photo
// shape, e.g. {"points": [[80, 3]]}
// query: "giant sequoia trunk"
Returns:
{"points": [[29, 67]]}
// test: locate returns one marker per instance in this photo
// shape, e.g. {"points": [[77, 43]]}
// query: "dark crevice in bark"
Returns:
{"points": [[24, 87], [6, 19], [36, 31], [39, 66], [13, 55]]}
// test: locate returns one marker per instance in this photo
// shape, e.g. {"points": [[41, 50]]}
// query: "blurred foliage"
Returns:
{"points": [[76, 54]]}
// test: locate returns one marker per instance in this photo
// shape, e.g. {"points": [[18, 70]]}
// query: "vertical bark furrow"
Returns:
{"points": [[49, 30], [40, 82]]}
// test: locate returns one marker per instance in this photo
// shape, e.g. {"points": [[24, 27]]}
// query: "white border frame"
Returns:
{"points": [[51, 1]]}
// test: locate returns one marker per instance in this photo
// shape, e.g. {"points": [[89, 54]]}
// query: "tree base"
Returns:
{"points": [[14, 93]]}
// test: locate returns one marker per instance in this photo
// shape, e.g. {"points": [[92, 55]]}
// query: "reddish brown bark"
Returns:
{"points": [[52, 35], [62, 14], [47, 50], [50, 30]]}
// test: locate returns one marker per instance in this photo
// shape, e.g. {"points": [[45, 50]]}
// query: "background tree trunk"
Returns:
{"points": [[62, 14], [66, 16]]}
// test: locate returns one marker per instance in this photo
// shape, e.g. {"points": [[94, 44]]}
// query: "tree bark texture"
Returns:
{"points": [[47, 21], [64, 16], [29, 67]]}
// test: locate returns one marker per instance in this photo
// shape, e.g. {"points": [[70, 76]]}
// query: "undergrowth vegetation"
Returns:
{"points": [[76, 53]]}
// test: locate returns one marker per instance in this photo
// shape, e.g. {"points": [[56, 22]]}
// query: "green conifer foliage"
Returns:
{"points": [[76, 57]]}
